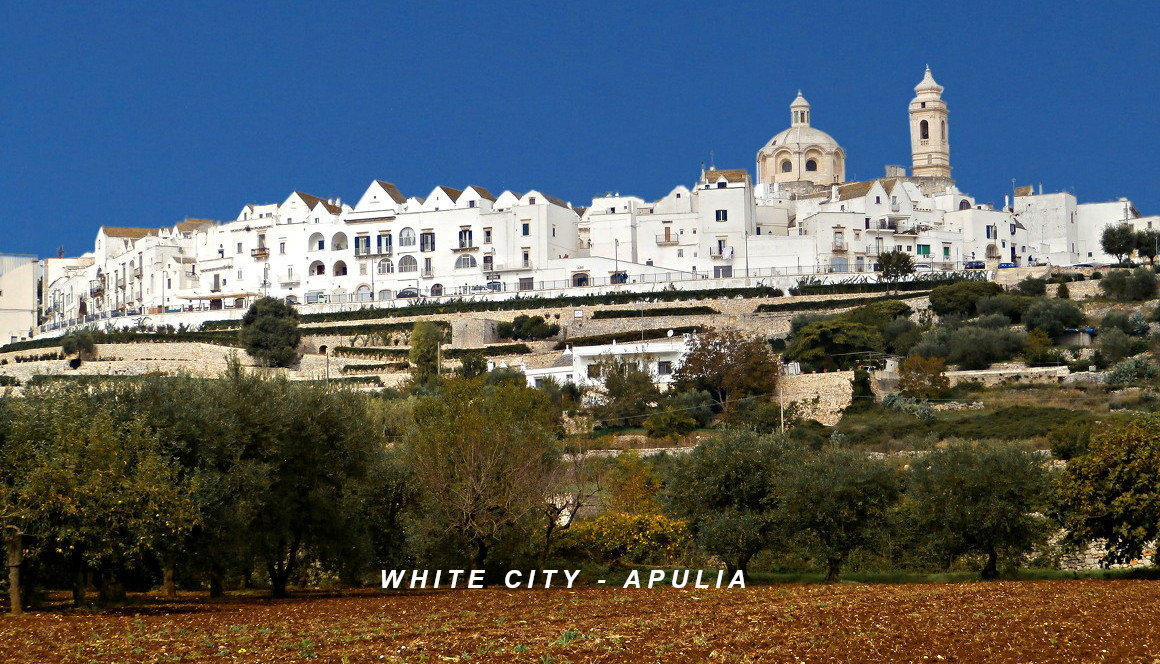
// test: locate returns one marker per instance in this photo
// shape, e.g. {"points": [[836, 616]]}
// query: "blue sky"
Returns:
{"points": [[145, 113]]}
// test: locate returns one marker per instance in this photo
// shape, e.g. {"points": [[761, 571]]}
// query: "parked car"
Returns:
{"points": [[1006, 265], [408, 292], [922, 266], [975, 265]]}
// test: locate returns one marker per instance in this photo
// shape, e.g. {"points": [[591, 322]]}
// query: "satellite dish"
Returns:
{"points": [[670, 333]]}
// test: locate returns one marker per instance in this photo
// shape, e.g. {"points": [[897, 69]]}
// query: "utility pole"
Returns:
{"points": [[781, 404]]}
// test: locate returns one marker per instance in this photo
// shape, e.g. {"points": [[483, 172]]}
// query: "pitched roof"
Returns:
{"points": [[314, 201], [127, 232], [192, 225], [1029, 190], [730, 175], [855, 189], [580, 210], [556, 201], [483, 193], [392, 191], [453, 194]]}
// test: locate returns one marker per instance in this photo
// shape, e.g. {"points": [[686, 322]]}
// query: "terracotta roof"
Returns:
{"points": [[1029, 190], [580, 210], [453, 194], [192, 225], [730, 175], [556, 201], [484, 193], [392, 191], [125, 231], [314, 201], [855, 189]]}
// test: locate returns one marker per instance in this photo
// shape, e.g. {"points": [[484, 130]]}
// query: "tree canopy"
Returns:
{"points": [[270, 333], [729, 365]]}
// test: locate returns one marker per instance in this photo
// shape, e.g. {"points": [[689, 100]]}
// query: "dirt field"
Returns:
{"points": [[1050, 621]]}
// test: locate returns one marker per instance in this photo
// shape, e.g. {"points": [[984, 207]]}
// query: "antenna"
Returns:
{"points": [[712, 161]]}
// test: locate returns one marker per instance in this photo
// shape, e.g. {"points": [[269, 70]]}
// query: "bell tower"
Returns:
{"points": [[929, 141]]}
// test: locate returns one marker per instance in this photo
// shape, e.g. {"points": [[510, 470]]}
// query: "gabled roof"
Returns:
{"points": [[730, 175], [128, 232], [556, 201], [392, 191], [453, 194], [193, 225], [483, 193], [851, 190], [314, 201], [1029, 190], [580, 210]]}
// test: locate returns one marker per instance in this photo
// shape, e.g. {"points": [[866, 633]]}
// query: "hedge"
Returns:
{"points": [[517, 303], [657, 311], [219, 338], [831, 304], [920, 282], [449, 353], [627, 337]]}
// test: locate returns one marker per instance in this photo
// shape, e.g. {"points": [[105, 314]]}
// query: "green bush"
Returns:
{"points": [[527, 328], [1132, 370], [1011, 306], [1033, 286], [1134, 285], [269, 332], [961, 297], [656, 311], [1052, 316]]}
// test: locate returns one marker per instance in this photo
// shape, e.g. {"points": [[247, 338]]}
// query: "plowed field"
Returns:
{"points": [[1050, 621]]}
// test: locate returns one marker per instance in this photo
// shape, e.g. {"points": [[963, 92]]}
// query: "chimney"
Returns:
{"points": [[833, 193]]}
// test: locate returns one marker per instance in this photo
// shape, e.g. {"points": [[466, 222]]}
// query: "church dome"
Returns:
{"points": [[801, 153], [800, 138]]}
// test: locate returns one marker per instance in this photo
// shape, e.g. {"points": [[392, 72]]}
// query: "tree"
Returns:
{"points": [[961, 297], [924, 377], [1032, 286], [1063, 292], [1147, 242], [1118, 240], [629, 393], [1109, 494], [725, 489], [270, 332], [729, 365], [861, 393], [483, 457], [831, 344], [1053, 316], [894, 265], [527, 328], [426, 337], [1138, 284], [1115, 345], [79, 343], [839, 497], [979, 498], [472, 364]]}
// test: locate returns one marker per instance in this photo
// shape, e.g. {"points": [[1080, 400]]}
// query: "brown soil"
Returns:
{"points": [[1050, 621]]}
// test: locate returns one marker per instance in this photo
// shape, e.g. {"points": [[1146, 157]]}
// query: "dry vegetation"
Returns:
{"points": [[1048, 621]]}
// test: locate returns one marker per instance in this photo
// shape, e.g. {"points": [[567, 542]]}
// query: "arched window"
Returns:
{"points": [[408, 263], [812, 165], [317, 243], [965, 204], [407, 237], [943, 134], [386, 266], [316, 268], [291, 299], [465, 261], [385, 294], [363, 293], [580, 279], [786, 166], [338, 242], [339, 269], [924, 130], [436, 290]]}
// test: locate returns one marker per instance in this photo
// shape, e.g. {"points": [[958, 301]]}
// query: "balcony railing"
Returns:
{"points": [[260, 253], [839, 245], [465, 246], [120, 282], [664, 240], [721, 253], [427, 274]]}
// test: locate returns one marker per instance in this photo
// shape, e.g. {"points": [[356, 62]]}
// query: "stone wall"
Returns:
{"points": [[819, 396]]}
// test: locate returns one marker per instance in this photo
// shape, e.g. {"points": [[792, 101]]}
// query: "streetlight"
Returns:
{"points": [[747, 254], [615, 258]]}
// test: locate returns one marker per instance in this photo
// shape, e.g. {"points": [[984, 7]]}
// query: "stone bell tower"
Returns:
{"points": [[929, 141]]}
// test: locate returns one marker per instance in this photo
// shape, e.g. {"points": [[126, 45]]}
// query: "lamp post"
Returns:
{"points": [[746, 254], [615, 258]]}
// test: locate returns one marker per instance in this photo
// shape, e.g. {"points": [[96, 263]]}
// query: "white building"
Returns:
{"points": [[580, 365]]}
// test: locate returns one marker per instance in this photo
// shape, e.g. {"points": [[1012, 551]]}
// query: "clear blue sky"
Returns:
{"points": [[148, 113]]}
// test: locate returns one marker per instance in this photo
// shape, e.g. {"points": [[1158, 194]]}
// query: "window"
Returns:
{"points": [[923, 250], [946, 252], [436, 289], [1012, 229], [281, 247], [786, 166], [339, 269], [487, 236], [867, 222], [722, 215], [362, 245], [812, 165], [722, 184], [338, 242], [680, 253], [877, 199], [317, 268], [427, 241], [465, 261], [470, 204], [239, 274], [594, 371], [924, 128], [289, 274], [386, 266], [526, 229], [408, 264], [362, 268], [407, 237], [531, 201], [527, 258], [488, 262], [664, 368], [239, 247], [317, 242], [527, 283], [465, 238], [383, 243]]}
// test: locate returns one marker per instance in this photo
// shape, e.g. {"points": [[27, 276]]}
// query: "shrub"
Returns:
{"points": [[909, 405], [1070, 440], [1138, 284], [1132, 370], [1011, 306], [1063, 292], [969, 346], [527, 328], [1052, 316], [1033, 286], [669, 424], [653, 312], [80, 343], [923, 377], [629, 538], [815, 305], [961, 297]]}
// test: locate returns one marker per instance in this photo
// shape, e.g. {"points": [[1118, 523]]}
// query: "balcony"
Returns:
{"points": [[261, 253], [289, 283], [96, 289], [839, 245], [667, 240], [427, 274], [465, 247], [121, 282], [721, 253]]}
